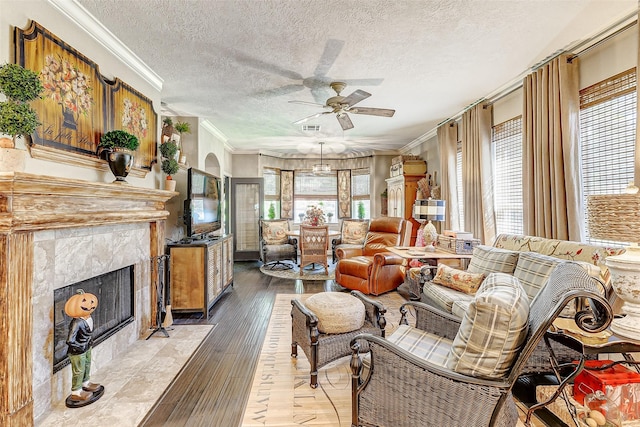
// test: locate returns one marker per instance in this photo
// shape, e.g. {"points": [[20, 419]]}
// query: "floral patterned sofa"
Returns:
{"points": [[529, 258]]}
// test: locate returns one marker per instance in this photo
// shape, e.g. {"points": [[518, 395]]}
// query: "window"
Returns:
{"points": [[271, 179], [607, 136], [361, 200], [507, 151], [459, 185], [312, 189]]}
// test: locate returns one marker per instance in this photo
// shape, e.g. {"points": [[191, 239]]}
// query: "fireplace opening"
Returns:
{"points": [[115, 293]]}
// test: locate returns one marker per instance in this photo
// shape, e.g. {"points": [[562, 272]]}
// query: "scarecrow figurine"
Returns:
{"points": [[79, 307]]}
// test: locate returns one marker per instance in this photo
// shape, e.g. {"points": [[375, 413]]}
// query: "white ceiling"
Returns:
{"points": [[237, 63]]}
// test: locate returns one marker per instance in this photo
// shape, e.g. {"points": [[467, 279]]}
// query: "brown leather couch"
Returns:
{"points": [[372, 269]]}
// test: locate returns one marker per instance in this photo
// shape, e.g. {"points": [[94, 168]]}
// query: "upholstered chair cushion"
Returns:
{"points": [[493, 329], [459, 280], [487, 259], [354, 232], [275, 232], [337, 312]]}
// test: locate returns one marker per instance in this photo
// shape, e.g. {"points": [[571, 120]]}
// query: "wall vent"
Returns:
{"points": [[311, 128]]}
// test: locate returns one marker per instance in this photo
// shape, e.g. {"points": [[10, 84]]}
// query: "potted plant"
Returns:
{"points": [[117, 147], [361, 210], [167, 129], [182, 128], [17, 117], [272, 211], [169, 164]]}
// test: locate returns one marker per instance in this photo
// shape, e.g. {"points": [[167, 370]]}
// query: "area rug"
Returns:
{"points": [[311, 272], [280, 393]]}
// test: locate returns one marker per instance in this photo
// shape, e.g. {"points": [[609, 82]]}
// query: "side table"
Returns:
{"points": [[419, 253], [584, 346]]}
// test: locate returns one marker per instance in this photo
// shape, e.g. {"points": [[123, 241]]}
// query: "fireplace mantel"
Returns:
{"points": [[31, 203]]}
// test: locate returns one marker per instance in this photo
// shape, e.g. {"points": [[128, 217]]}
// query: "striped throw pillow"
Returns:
{"points": [[487, 259]]}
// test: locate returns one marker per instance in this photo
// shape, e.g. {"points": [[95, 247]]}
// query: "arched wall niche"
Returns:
{"points": [[212, 165]]}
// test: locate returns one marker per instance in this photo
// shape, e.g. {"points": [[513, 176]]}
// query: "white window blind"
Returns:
{"points": [[607, 136], [507, 150], [459, 184], [360, 190], [313, 189], [271, 179]]}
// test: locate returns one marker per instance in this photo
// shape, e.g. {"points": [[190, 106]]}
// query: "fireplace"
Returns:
{"points": [[55, 232], [114, 291]]}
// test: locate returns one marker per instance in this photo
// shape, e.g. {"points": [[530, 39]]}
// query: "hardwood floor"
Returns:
{"points": [[212, 389]]}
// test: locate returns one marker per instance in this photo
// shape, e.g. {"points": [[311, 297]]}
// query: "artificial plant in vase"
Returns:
{"points": [[169, 164], [182, 128], [20, 86], [117, 147]]}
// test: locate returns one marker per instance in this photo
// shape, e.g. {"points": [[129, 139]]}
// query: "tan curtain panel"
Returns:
{"points": [[551, 157], [448, 141], [477, 174]]}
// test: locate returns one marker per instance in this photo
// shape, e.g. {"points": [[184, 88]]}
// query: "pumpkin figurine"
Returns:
{"points": [[80, 307]]}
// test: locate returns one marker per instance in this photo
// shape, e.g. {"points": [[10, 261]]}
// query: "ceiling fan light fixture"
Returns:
{"points": [[321, 167]]}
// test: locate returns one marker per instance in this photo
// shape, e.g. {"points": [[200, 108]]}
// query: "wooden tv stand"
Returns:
{"points": [[199, 272]]}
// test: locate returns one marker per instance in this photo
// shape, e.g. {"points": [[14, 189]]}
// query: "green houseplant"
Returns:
{"points": [[169, 164], [17, 117], [117, 147], [182, 128], [361, 210]]}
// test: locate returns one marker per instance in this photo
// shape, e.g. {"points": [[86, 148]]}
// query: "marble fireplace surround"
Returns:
{"points": [[55, 232]]}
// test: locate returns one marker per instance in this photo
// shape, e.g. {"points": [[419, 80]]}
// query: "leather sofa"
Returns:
{"points": [[371, 269]]}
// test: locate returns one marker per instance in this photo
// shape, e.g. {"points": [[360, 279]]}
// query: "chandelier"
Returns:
{"points": [[321, 167]]}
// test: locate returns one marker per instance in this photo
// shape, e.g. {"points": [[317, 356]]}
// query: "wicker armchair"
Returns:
{"points": [[401, 389], [320, 348]]}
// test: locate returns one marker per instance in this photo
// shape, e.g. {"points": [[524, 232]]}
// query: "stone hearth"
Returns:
{"points": [[55, 232]]}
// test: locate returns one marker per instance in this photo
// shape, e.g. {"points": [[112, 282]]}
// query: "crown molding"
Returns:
{"points": [[77, 14], [206, 124]]}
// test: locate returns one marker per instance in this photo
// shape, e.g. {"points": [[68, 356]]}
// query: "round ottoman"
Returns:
{"points": [[337, 312]]}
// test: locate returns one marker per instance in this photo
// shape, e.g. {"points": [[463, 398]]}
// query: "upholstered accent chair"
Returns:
{"points": [[352, 235], [372, 269], [314, 243], [275, 245], [465, 360]]}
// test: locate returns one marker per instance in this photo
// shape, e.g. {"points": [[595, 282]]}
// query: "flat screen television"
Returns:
{"points": [[202, 207]]}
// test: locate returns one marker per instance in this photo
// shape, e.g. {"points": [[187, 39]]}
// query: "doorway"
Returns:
{"points": [[247, 196]]}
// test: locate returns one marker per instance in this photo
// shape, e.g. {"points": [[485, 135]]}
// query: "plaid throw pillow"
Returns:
{"points": [[533, 271], [275, 232], [492, 330], [487, 259]]}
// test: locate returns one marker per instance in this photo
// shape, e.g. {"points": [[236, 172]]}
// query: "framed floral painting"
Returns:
{"points": [[133, 112], [72, 107]]}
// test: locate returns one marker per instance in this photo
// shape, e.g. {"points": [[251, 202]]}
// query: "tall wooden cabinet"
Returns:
{"points": [[199, 272], [401, 193]]}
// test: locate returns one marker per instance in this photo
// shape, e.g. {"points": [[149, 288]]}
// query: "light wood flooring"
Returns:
{"points": [[212, 388]]}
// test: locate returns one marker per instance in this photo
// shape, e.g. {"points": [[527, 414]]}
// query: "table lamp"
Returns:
{"points": [[617, 217], [429, 210]]}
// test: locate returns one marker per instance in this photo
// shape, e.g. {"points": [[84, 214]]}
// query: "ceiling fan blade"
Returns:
{"points": [[355, 97], [373, 111], [332, 49], [307, 103], [313, 116], [345, 121]]}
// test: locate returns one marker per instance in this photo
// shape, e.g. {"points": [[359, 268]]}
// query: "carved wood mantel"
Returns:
{"points": [[30, 203]]}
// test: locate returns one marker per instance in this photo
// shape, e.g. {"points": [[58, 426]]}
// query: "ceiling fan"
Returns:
{"points": [[341, 105]]}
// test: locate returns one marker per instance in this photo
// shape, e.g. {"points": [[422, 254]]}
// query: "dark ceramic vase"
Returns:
{"points": [[120, 162]]}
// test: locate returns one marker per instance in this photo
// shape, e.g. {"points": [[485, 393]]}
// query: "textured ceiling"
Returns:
{"points": [[239, 62]]}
